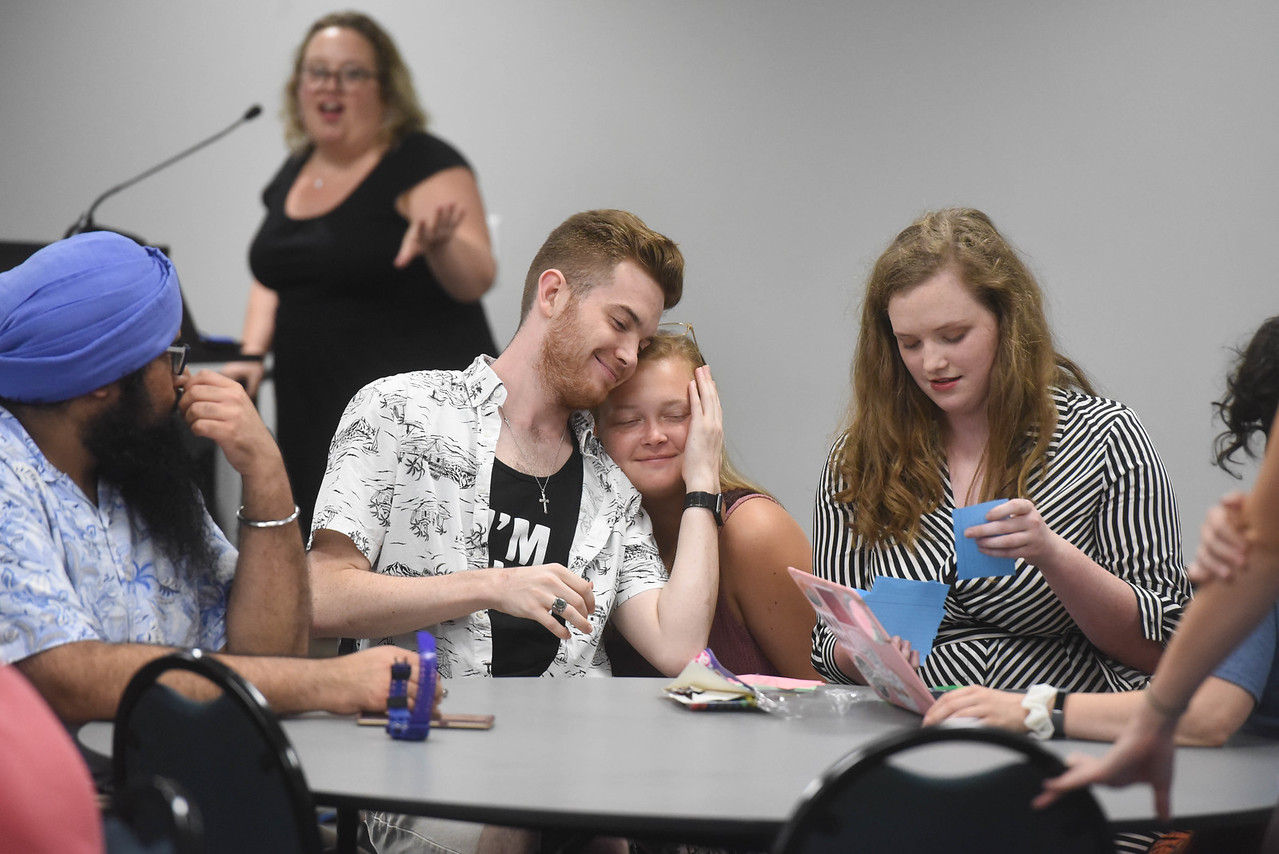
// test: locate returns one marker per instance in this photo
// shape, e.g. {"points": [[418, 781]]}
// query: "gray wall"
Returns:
{"points": [[1127, 148]]}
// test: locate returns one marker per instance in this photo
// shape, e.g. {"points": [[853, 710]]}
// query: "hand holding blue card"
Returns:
{"points": [[909, 609], [970, 562]]}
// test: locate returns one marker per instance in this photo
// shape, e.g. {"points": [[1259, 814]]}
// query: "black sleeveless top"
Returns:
{"points": [[346, 316]]}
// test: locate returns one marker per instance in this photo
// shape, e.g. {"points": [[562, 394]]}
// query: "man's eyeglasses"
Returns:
{"points": [[678, 329], [350, 76], [178, 356]]}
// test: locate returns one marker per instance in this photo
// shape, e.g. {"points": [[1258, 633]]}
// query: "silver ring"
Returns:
{"points": [[558, 606]]}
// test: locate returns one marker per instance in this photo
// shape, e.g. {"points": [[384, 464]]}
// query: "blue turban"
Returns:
{"points": [[82, 313]]}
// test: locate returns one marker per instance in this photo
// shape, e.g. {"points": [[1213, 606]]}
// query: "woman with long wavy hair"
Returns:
{"points": [[960, 398]]}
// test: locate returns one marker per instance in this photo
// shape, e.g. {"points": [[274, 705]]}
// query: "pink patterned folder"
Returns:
{"points": [[871, 648]]}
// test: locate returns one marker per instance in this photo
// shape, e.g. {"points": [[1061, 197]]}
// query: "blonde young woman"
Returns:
{"points": [[762, 622], [959, 397], [374, 251]]}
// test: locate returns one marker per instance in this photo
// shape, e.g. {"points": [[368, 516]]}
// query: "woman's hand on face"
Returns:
{"points": [[705, 444], [427, 232], [1222, 544], [1015, 529]]}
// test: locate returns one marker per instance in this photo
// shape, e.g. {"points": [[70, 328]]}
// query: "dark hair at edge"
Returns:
{"points": [[1252, 396]]}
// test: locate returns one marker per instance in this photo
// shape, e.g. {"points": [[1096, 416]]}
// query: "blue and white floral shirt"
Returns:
{"points": [[408, 481], [71, 571]]}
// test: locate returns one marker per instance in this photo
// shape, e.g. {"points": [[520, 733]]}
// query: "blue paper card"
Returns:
{"points": [[909, 609], [970, 562]]}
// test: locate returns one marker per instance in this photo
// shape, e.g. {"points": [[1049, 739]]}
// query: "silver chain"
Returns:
{"points": [[542, 483]]}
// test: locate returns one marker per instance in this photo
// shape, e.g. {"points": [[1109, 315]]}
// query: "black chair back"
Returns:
{"points": [[1270, 837], [227, 752], [152, 816], [913, 792]]}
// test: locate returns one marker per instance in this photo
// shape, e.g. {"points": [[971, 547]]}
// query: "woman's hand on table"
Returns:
{"points": [[1001, 709]]}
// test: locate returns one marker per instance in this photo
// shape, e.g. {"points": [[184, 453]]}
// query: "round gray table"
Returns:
{"points": [[614, 756]]}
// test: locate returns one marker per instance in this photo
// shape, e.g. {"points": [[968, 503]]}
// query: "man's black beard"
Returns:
{"points": [[148, 461]]}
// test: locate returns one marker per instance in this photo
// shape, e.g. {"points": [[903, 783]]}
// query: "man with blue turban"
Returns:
{"points": [[108, 557]]}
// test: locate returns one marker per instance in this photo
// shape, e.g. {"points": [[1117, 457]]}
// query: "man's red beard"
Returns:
{"points": [[563, 366]]}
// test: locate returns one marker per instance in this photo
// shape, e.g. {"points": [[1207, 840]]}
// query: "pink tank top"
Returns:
{"points": [[729, 640]]}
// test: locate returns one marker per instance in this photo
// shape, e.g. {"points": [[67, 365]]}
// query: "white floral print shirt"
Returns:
{"points": [[408, 482], [71, 571]]}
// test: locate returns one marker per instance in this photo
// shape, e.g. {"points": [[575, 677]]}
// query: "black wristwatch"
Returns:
{"points": [[1058, 716], [713, 503]]}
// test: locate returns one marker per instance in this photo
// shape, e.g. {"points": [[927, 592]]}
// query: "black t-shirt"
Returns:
{"points": [[524, 533]]}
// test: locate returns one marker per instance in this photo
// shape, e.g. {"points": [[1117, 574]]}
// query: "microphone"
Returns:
{"points": [[85, 222]]}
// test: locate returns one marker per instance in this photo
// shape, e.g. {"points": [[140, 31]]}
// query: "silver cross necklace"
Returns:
{"points": [[541, 482]]}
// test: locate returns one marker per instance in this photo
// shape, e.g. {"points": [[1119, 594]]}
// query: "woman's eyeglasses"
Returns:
{"points": [[678, 329], [350, 76], [178, 356]]}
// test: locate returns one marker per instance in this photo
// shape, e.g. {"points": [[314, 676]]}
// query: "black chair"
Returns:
{"points": [[887, 798], [152, 816], [227, 752], [1270, 835]]}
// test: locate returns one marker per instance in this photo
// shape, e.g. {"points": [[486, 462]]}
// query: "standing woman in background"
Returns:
{"points": [[959, 398], [374, 251]]}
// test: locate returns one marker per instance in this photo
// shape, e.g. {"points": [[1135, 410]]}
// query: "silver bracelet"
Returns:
{"points": [[273, 523]]}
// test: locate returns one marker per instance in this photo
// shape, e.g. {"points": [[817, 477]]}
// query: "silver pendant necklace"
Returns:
{"points": [[541, 482]]}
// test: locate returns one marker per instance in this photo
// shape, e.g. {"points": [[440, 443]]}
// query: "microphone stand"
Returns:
{"points": [[203, 348], [85, 222]]}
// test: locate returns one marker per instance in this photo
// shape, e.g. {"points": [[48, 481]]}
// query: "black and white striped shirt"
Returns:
{"points": [[1106, 492]]}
